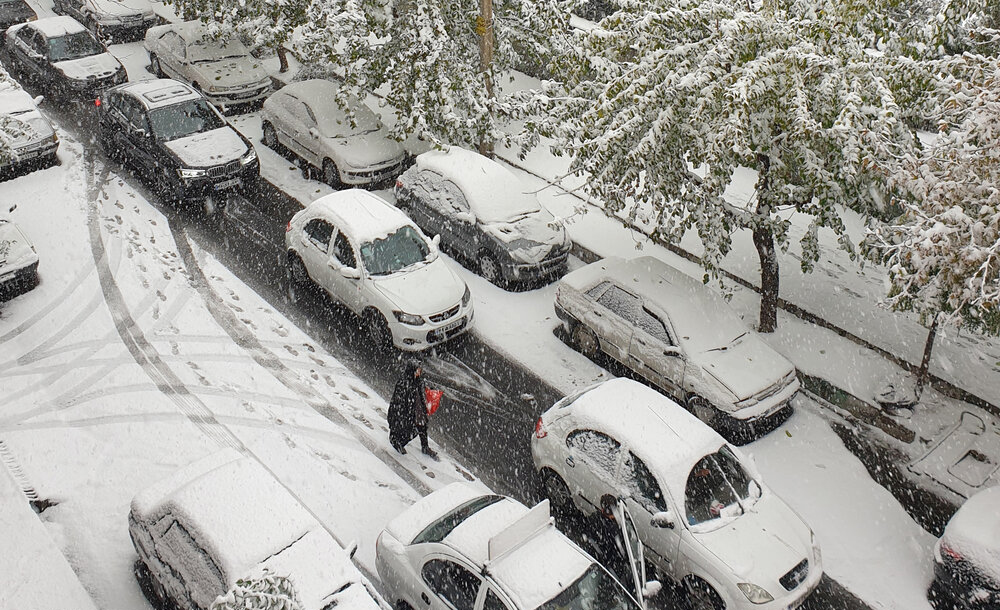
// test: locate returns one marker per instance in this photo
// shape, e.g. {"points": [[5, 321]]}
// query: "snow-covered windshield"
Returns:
{"points": [[718, 487], [595, 590], [332, 120], [73, 46], [398, 250], [184, 119], [208, 49], [704, 321]]}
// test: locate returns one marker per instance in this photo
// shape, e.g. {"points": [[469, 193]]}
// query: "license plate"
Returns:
{"points": [[225, 184], [450, 327], [31, 154]]}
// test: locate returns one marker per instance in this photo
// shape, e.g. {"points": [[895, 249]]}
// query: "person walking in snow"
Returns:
{"points": [[408, 410]]}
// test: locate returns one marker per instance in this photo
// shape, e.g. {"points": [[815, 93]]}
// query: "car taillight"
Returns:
{"points": [[288, 227], [97, 102], [539, 430], [950, 553], [399, 184]]}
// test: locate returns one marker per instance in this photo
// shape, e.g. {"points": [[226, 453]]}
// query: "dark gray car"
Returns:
{"points": [[15, 11]]}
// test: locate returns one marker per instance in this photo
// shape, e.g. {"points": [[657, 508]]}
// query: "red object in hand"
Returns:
{"points": [[433, 400]]}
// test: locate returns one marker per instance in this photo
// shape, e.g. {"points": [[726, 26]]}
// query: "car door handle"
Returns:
{"points": [[598, 314], [426, 599], [570, 462]]}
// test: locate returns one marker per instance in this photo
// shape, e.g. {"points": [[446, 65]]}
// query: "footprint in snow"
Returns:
{"points": [[360, 393], [314, 375], [329, 381], [291, 350]]}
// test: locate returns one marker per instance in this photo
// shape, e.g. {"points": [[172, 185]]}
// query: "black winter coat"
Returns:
{"points": [[408, 407]]}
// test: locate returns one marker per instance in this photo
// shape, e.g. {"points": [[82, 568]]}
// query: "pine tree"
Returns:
{"points": [[265, 592]]}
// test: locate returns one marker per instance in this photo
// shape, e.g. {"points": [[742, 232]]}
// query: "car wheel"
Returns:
{"points": [[702, 409], [586, 341], [377, 329], [331, 175], [403, 605], [270, 138], [489, 268], [556, 490], [152, 589], [298, 278], [701, 596], [154, 65]]}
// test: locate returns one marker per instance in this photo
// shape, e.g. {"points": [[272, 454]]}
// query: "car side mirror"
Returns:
{"points": [[350, 273], [38, 99], [465, 217], [436, 240], [142, 133], [313, 132], [663, 519]]}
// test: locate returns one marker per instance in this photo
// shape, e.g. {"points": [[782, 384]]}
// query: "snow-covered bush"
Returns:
{"points": [[265, 592]]}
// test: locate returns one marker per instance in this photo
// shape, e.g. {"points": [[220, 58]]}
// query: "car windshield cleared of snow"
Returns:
{"points": [[74, 46], [398, 250], [184, 119], [595, 590], [718, 487], [439, 530], [332, 120], [208, 50]]}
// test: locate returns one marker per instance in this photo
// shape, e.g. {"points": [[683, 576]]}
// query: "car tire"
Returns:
{"points": [[331, 175], [377, 329], [558, 493], [700, 595], [585, 341], [152, 589], [703, 410], [298, 278], [154, 65], [489, 268], [270, 136], [402, 605]]}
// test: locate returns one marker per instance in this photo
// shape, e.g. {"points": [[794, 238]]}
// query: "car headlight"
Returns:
{"points": [[755, 594], [467, 296], [190, 172], [408, 318], [815, 547], [249, 157]]}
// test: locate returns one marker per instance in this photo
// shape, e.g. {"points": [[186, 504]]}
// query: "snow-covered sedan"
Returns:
{"points": [[371, 258], [224, 518], [704, 515], [680, 336], [967, 557], [461, 548], [306, 119], [63, 56], [18, 260], [28, 137], [485, 216], [116, 20], [221, 68]]}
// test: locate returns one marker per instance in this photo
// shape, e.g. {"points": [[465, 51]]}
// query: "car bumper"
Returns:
{"points": [[360, 176], [225, 182], [90, 88], [417, 338], [793, 600], [21, 276], [232, 99], [45, 149], [546, 269]]}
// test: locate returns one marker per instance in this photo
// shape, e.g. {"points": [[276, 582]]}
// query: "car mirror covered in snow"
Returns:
{"points": [[663, 519], [436, 240], [465, 217]]}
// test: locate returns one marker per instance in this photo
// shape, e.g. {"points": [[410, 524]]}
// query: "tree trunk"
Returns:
{"points": [[763, 240], [923, 373], [282, 59], [484, 28]]}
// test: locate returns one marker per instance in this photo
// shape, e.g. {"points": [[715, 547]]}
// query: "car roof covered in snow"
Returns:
{"points": [[54, 27], [663, 434], [359, 213], [160, 92], [189, 30]]}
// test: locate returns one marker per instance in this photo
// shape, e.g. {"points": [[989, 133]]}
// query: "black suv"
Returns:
{"points": [[63, 56], [176, 140]]}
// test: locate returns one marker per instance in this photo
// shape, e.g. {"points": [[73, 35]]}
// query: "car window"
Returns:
{"points": [[343, 251], [454, 197], [398, 250], [37, 43], [493, 602], [184, 119], [717, 484], [642, 484], [595, 590], [452, 583], [134, 113], [622, 303], [74, 46], [651, 323], [319, 232], [599, 448], [174, 44], [202, 577], [299, 112], [438, 530]]}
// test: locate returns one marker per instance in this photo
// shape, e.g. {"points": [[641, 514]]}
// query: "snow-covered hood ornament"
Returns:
{"points": [[208, 148], [230, 72], [425, 289], [101, 65], [530, 238]]}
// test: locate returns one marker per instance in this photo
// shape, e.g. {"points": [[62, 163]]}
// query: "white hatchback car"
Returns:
{"points": [[371, 258], [305, 118], [706, 519], [680, 336], [461, 548], [225, 518]]}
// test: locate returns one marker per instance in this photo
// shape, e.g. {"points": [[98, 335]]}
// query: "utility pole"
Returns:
{"points": [[484, 27]]}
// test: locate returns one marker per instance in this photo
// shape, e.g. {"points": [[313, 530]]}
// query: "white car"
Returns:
{"points": [[125, 19], [680, 336], [461, 548], [705, 517], [18, 260], [485, 215], [27, 136], [305, 118], [220, 68], [371, 258], [967, 556], [225, 518]]}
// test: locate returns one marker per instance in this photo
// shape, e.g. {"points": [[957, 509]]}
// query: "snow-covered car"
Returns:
{"points": [[305, 118], [371, 258], [63, 56], [967, 556], [116, 20], [15, 11], [224, 518], [485, 216], [704, 515], [172, 137], [461, 548], [680, 336], [18, 260], [28, 138], [220, 67]]}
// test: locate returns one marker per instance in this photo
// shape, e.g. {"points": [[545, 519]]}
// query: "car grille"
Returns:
{"points": [[436, 336], [795, 576], [224, 170], [376, 173], [441, 317]]}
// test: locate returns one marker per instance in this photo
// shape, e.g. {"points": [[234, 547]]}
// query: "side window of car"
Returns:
{"points": [[621, 303], [202, 576], [298, 111], [649, 322], [598, 448], [343, 251], [454, 198], [493, 601], [319, 232], [38, 43], [641, 482], [451, 582]]}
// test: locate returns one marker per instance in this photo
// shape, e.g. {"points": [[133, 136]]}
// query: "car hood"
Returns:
{"points": [[365, 150], [762, 545], [101, 65], [744, 367], [237, 72], [532, 238], [208, 148], [122, 8], [424, 290], [26, 131], [15, 249]]}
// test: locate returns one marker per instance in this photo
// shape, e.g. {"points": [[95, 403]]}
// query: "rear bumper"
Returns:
{"points": [[962, 591]]}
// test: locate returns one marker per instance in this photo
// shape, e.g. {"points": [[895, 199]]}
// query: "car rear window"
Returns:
{"points": [[437, 531]]}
